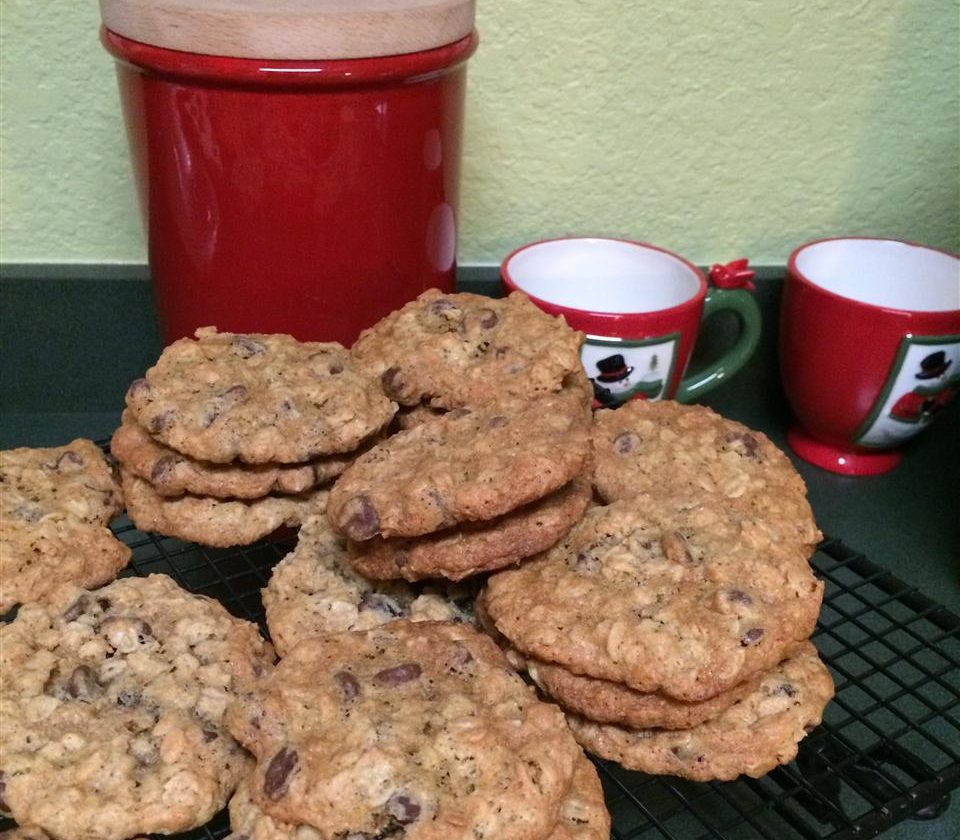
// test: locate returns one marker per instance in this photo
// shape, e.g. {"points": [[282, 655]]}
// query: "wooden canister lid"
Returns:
{"points": [[291, 29]]}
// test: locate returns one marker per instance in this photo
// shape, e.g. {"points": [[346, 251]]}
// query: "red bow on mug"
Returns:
{"points": [[733, 275]]}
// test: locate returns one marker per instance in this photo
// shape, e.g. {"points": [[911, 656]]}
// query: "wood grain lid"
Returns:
{"points": [[291, 29]]}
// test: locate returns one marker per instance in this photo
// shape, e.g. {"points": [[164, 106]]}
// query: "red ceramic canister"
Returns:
{"points": [[297, 161]]}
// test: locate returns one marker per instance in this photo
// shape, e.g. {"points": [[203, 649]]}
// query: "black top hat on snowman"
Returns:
{"points": [[613, 369], [934, 365]]}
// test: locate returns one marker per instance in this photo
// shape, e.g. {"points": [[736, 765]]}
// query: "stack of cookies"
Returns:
{"points": [[488, 467], [228, 437], [672, 623], [646, 568], [467, 492], [389, 714]]}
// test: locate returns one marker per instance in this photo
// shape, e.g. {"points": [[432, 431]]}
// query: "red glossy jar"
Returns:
{"points": [[306, 196]]}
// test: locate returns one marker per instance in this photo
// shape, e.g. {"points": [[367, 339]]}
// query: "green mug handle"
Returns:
{"points": [[741, 303]]}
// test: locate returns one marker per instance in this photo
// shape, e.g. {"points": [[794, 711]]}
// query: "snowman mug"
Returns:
{"points": [[869, 348], [641, 308]]}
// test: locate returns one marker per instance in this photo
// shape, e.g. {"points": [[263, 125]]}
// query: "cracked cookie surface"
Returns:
{"points": [[256, 398], [113, 703], [421, 729], [55, 504], [462, 350]]}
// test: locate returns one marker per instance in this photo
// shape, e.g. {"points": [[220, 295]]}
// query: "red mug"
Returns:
{"points": [[641, 308], [869, 348]]}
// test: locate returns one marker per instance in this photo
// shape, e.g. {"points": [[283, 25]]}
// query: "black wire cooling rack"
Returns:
{"points": [[888, 749]]}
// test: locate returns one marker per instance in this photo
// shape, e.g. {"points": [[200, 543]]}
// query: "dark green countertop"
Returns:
{"points": [[73, 338]]}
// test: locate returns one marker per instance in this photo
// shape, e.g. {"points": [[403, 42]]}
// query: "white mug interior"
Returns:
{"points": [[603, 275], [883, 272]]}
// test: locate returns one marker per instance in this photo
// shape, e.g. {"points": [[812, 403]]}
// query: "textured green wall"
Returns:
{"points": [[713, 128]]}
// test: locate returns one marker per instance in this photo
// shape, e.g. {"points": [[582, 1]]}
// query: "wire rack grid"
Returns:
{"points": [[888, 748]]}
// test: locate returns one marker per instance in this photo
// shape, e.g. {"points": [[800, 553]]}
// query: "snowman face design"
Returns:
{"points": [[621, 370], [621, 386], [923, 379]]}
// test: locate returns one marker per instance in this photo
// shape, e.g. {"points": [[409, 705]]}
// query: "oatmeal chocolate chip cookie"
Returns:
{"points": [[112, 705], [313, 591], [677, 602], [24, 833], [688, 453], [259, 399], [753, 736], [414, 729], [461, 350], [216, 522], [463, 467], [173, 474], [249, 822], [466, 550], [55, 504], [603, 701], [409, 417], [75, 480], [583, 814]]}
